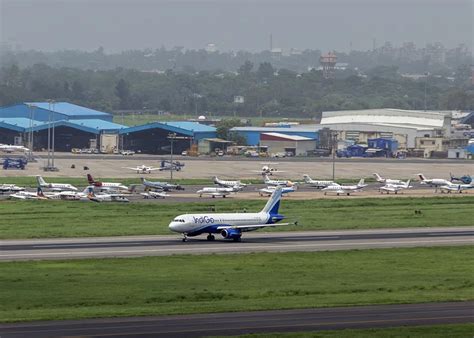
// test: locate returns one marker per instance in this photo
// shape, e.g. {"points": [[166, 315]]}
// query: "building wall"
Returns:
{"points": [[253, 137], [301, 147], [429, 144]]}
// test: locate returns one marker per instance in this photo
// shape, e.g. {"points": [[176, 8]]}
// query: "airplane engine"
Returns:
{"points": [[231, 234]]}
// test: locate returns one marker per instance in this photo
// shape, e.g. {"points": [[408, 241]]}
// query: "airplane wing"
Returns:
{"points": [[131, 168], [151, 169]]}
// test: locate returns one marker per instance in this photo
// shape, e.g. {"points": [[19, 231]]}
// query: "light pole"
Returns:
{"points": [[172, 137], [333, 137]]}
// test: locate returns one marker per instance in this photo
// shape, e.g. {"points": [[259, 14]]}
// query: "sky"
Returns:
{"points": [[119, 25]]}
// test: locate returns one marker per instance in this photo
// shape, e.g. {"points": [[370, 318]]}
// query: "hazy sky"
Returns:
{"points": [[233, 24]]}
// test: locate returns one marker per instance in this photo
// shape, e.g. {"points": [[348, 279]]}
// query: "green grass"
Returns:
{"points": [[431, 331], [41, 219], [47, 290]]}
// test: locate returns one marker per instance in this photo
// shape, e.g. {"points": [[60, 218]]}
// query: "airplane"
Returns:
{"points": [[315, 183], [433, 182], [395, 188], [167, 165], [380, 179], [71, 195], [228, 184], [165, 186], [10, 188], [455, 187], [8, 148], [229, 225], [107, 197], [269, 181], [344, 189], [27, 195], [271, 189], [154, 194], [466, 179], [105, 185], [267, 169], [217, 191], [54, 186], [142, 169]]}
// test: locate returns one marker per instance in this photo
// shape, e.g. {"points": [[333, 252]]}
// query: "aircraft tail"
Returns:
{"points": [[39, 192], [90, 191], [41, 181], [378, 177], [273, 202], [422, 177], [306, 178], [216, 180], [361, 182], [90, 179], [407, 184], [266, 178]]}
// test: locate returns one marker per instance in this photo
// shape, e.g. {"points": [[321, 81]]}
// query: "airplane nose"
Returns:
{"points": [[173, 226]]}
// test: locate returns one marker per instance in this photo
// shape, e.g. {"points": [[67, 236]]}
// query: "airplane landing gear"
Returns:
{"points": [[184, 238], [210, 237]]}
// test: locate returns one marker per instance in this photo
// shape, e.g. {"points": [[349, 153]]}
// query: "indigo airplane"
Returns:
{"points": [[229, 225]]}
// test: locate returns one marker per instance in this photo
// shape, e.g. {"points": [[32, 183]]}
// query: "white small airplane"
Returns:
{"points": [[10, 188], [433, 182], [165, 186], [267, 191], [284, 183], [267, 169], [228, 184], [452, 187], [27, 195], [229, 225], [105, 186], [316, 183], [107, 197], [395, 188], [70, 195], [380, 179], [142, 169], [8, 148], [344, 189], [154, 194], [217, 191], [55, 186]]}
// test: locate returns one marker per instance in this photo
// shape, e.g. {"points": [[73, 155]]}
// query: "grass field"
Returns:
{"points": [[41, 219], [44, 290], [434, 331]]}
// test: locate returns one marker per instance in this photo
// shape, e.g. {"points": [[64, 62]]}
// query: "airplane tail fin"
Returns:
{"points": [[306, 178], [39, 192], [41, 181], [407, 184], [378, 177], [452, 177], [215, 179], [90, 179], [90, 191], [273, 202], [422, 177], [266, 178], [143, 180], [361, 182]]}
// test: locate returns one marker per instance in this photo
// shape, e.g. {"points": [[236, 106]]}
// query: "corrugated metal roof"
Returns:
{"points": [[97, 124], [289, 137], [182, 127], [20, 122], [303, 129], [67, 108]]}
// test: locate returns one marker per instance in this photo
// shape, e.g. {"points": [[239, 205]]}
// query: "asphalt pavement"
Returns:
{"points": [[292, 241], [237, 323]]}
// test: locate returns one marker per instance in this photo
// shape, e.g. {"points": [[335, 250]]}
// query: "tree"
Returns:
{"points": [[224, 126], [265, 71], [246, 68], [77, 90], [122, 90]]}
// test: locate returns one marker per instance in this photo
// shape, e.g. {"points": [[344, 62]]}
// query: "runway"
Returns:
{"points": [[238, 323], [291, 241]]}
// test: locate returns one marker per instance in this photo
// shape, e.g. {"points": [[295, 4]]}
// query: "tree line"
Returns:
{"points": [[267, 91]]}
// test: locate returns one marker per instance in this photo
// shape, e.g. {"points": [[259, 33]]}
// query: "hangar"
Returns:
{"points": [[252, 134], [288, 144], [152, 138]]}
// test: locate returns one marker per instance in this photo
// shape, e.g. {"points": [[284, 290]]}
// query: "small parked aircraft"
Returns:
{"points": [[229, 225], [107, 197], [167, 165], [269, 181], [8, 148], [271, 189], [395, 188], [344, 189], [466, 179], [380, 179], [10, 188], [55, 186], [316, 183], [154, 194], [165, 186], [267, 169], [452, 187], [217, 191], [433, 182], [105, 186], [27, 195], [228, 184], [142, 169]]}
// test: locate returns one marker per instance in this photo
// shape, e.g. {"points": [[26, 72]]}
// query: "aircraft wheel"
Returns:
{"points": [[237, 239], [184, 239], [348, 194], [223, 196], [210, 237]]}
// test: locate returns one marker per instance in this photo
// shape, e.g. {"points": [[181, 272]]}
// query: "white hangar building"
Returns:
{"points": [[408, 127]]}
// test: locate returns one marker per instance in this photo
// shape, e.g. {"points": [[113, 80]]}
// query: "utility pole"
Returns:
{"points": [[172, 137], [426, 80], [334, 137], [52, 154]]}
